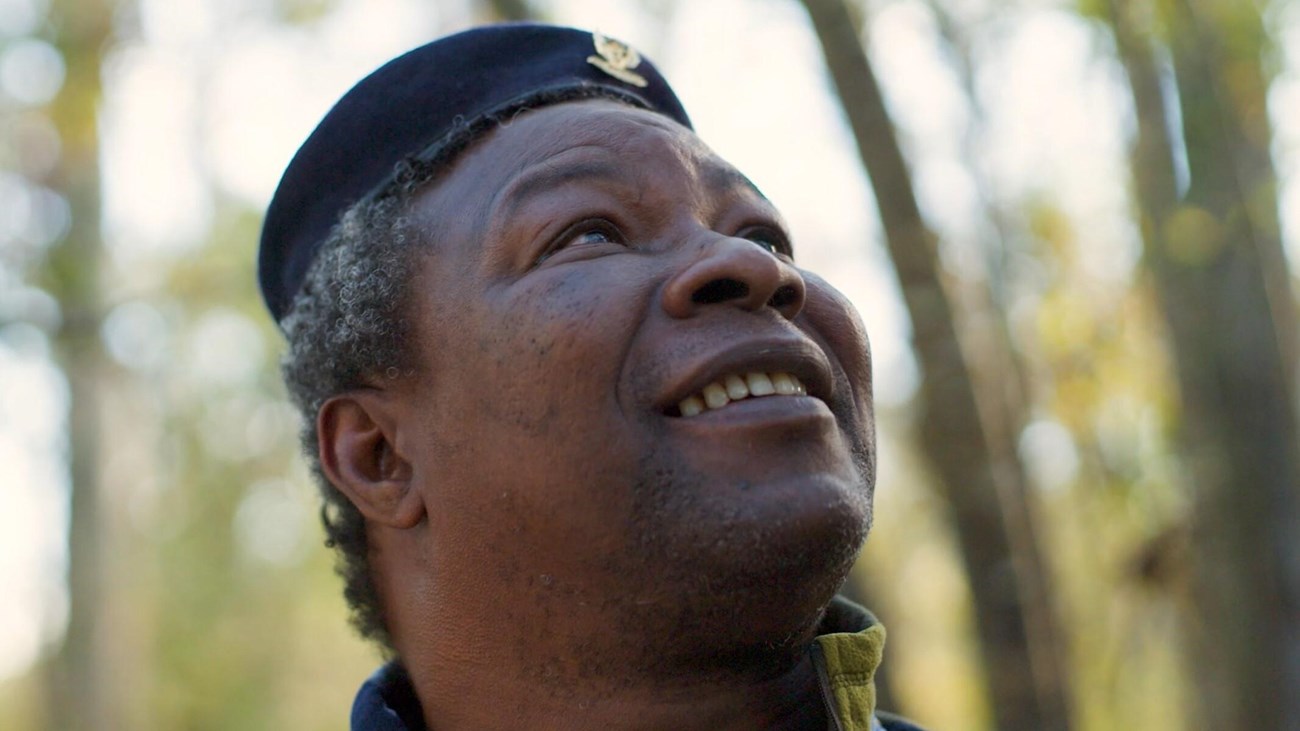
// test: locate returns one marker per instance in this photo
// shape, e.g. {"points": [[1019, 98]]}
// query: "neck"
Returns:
{"points": [[563, 656], [787, 701], [536, 664]]}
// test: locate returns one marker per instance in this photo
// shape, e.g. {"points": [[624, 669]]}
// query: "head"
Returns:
{"points": [[538, 374]]}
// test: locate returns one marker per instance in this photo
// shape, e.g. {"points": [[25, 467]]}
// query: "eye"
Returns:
{"points": [[589, 232], [772, 239], [593, 236]]}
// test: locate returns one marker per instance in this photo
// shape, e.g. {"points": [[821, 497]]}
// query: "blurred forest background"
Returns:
{"points": [[1071, 225]]}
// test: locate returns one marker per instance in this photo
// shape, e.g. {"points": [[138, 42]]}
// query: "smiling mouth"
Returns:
{"points": [[735, 387]]}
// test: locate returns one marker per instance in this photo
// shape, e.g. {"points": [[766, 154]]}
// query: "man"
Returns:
{"points": [[596, 454]]}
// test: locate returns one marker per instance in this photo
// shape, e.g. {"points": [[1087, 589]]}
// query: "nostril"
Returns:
{"points": [[720, 290], [783, 297]]}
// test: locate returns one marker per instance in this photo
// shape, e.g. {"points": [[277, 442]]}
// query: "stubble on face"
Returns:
{"points": [[732, 591]]}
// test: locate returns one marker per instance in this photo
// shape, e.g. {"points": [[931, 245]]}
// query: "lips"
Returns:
{"points": [[747, 371]]}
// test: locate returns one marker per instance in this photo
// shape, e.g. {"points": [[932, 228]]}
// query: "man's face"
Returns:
{"points": [[595, 272]]}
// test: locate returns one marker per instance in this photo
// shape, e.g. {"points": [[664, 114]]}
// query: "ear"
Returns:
{"points": [[356, 435]]}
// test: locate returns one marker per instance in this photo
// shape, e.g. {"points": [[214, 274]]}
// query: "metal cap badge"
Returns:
{"points": [[617, 59]]}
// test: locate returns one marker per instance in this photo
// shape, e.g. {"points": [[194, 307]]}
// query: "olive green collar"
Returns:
{"points": [[846, 653]]}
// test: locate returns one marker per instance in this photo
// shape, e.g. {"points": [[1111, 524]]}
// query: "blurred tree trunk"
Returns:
{"points": [[511, 9], [1222, 280], [976, 465], [998, 367], [77, 699]]}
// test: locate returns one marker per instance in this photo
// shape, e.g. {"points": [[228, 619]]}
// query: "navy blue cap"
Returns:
{"points": [[408, 107]]}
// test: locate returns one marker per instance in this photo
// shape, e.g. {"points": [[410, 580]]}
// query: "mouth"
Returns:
{"points": [[734, 387], [767, 372]]}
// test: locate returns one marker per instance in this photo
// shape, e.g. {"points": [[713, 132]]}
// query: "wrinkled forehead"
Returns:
{"points": [[595, 138], [610, 125]]}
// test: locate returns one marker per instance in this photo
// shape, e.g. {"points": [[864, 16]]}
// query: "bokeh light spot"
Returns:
{"points": [[31, 71]]}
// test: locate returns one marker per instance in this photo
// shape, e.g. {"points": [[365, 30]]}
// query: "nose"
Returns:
{"points": [[735, 272]]}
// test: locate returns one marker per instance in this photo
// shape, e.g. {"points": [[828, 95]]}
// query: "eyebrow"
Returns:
{"points": [[725, 177], [551, 175]]}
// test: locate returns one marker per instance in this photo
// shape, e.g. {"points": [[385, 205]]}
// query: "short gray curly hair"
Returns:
{"points": [[345, 328]]}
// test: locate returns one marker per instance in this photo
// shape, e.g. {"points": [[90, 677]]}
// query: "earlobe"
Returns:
{"points": [[356, 434]]}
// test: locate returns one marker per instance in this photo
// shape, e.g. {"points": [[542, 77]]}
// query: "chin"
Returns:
{"points": [[795, 563], [749, 579]]}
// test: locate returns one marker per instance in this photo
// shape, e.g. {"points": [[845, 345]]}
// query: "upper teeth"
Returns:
{"points": [[733, 387]]}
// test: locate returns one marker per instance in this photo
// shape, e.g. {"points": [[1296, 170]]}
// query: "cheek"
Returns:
{"points": [[517, 414], [835, 322], [528, 377], [554, 347], [838, 322]]}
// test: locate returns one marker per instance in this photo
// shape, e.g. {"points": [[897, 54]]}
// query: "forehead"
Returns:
{"points": [[542, 134], [589, 139]]}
